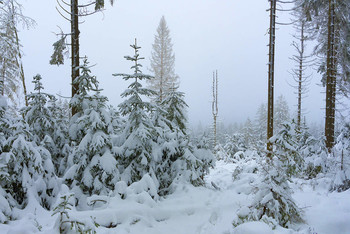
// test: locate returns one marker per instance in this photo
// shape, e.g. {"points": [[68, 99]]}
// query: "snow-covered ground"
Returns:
{"points": [[202, 210]]}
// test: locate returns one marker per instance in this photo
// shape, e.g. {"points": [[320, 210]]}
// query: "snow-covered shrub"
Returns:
{"points": [[202, 142], [272, 201], [220, 153], [91, 162], [66, 223], [234, 143], [314, 153]]}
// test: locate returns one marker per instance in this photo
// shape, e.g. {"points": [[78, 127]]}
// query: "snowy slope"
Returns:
{"points": [[202, 210]]}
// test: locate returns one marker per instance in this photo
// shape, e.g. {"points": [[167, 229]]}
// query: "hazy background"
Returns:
{"points": [[228, 35]]}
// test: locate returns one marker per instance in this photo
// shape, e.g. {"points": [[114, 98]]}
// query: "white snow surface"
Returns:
{"points": [[197, 210]]}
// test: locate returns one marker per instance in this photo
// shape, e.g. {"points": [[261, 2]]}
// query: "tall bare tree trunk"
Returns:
{"points": [[215, 109], [300, 76], [75, 47], [271, 74], [331, 78]]}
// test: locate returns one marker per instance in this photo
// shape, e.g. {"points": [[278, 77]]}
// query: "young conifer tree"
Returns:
{"points": [[163, 62], [37, 115], [92, 164], [135, 153], [281, 113], [180, 160]]}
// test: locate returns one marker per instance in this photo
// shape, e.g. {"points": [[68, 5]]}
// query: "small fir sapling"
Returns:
{"points": [[30, 168], [272, 202], [285, 149], [135, 153]]}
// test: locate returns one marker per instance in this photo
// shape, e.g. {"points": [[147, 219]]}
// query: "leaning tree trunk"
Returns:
{"points": [[74, 47], [271, 75], [331, 78]]}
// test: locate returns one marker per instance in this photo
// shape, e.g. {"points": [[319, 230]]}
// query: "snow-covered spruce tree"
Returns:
{"points": [[175, 107], [281, 113], [248, 133], [136, 148], [341, 182], [37, 115], [286, 150], [162, 62], [273, 202], [31, 172], [314, 154], [92, 166], [260, 125], [180, 160], [234, 143], [46, 123], [6, 200], [5, 123], [58, 145]]}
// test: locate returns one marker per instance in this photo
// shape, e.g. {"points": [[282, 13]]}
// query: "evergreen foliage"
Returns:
{"points": [[281, 113], [59, 48], [273, 203], [30, 168], [286, 150], [92, 162], [135, 153]]}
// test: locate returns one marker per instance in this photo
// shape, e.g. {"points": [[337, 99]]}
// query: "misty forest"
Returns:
{"points": [[79, 163]]}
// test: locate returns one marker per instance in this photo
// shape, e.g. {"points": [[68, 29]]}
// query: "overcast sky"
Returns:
{"points": [[227, 35]]}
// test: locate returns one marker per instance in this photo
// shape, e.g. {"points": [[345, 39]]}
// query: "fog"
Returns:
{"points": [[227, 35]]}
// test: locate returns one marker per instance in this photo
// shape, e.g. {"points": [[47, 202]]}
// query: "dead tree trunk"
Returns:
{"points": [[271, 66], [301, 67], [215, 109]]}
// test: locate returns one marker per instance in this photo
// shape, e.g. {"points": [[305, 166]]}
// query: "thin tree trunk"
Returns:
{"points": [[3, 78], [301, 67], [215, 109], [271, 75]]}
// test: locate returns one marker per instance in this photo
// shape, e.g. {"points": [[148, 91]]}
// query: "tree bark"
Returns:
{"points": [[301, 67], [75, 47], [331, 78], [271, 66]]}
